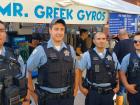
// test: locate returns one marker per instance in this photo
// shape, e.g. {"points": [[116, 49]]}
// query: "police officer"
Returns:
{"points": [[101, 81], [11, 69], [55, 62], [131, 66], [121, 49]]}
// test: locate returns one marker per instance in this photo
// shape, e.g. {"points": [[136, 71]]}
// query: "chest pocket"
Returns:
{"points": [[68, 59], [53, 57]]}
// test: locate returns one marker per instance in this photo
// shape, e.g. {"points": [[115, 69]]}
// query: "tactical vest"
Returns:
{"points": [[11, 85], [134, 69], [58, 71], [9, 64], [101, 70]]}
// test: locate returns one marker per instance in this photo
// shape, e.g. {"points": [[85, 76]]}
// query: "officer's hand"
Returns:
{"points": [[84, 90], [115, 90], [75, 92], [131, 88], [35, 97], [26, 101]]}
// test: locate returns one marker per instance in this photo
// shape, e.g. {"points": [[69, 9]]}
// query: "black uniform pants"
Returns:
{"points": [[59, 101], [46, 98], [96, 98], [134, 99]]}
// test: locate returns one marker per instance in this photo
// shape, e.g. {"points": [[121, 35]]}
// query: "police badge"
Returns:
{"points": [[66, 53]]}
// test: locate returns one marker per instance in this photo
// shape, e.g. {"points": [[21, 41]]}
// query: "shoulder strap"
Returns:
{"points": [[44, 45], [108, 52]]}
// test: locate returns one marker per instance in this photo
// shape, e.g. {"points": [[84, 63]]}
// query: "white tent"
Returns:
{"points": [[111, 5]]}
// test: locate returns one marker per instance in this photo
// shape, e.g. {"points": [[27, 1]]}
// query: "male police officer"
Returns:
{"points": [[101, 73], [12, 83], [55, 62], [121, 49], [131, 65]]}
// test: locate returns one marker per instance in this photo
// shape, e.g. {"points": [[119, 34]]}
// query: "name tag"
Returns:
{"points": [[97, 68]]}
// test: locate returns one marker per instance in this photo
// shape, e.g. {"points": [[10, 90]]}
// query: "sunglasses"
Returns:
{"points": [[136, 41]]}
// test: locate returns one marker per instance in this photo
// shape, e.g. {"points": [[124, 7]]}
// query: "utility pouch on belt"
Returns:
{"points": [[137, 88], [21, 82], [12, 96], [41, 95], [85, 84]]}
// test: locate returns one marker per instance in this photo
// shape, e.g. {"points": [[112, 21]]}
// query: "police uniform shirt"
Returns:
{"points": [[39, 58], [20, 61], [125, 62], [85, 63]]}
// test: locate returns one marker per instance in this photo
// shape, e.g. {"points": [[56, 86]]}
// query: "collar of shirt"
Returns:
{"points": [[138, 54], [100, 55], [3, 51], [50, 44]]}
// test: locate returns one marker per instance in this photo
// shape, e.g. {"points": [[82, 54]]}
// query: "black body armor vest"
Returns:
{"points": [[9, 65], [58, 71], [101, 70], [134, 69]]}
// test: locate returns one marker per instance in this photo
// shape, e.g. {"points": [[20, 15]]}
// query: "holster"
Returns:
{"points": [[12, 96], [41, 95], [137, 88], [85, 84]]}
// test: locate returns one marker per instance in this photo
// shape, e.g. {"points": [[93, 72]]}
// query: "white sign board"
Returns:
{"points": [[43, 11]]}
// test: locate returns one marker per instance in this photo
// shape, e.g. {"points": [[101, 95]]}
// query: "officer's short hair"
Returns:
{"points": [[98, 33], [137, 34], [83, 31], [57, 20]]}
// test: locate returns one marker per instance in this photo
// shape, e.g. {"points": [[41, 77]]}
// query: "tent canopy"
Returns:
{"points": [[111, 5]]}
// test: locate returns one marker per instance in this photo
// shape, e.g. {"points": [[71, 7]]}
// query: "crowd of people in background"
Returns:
{"points": [[108, 72]]}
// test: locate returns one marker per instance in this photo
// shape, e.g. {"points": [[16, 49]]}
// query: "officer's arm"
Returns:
{"points": [[116, 89], [117, 66], [76, 83], [123, 70], [29, 91], [129, 87], [83, 65], [82, 89], [31, 88], [33, 62], [80, 79], [76, 79], [123, 77]]}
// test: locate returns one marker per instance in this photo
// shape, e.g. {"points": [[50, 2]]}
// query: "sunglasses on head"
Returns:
{"points": [[136, 41]]}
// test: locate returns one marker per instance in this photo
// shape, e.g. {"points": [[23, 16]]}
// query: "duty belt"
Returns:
{"points": [[102, 90], [50, 95], [65, 94]]}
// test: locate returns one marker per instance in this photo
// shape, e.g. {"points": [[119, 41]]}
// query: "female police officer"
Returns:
{"points": [[55, 60], [101, 73]]}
